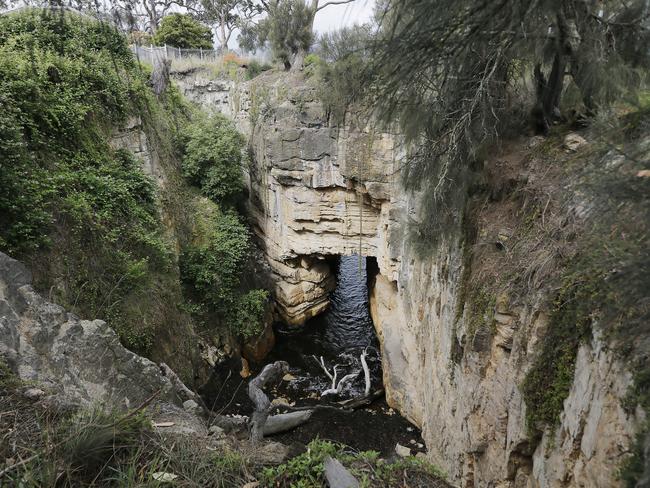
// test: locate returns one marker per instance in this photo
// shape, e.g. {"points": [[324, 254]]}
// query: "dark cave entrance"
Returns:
{"points": [[339, 335]]}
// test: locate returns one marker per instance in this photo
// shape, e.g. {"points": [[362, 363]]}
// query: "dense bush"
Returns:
{"points": [[339, 67], [254, 68], [83, 214], [181, 30], [212, 272], [212, 157], [213, 266]]}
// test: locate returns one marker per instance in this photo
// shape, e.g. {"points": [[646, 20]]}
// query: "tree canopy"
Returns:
{"points": [[181, 30], [454, 74], [287, 26]]}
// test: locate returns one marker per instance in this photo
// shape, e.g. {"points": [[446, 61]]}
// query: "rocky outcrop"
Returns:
{"points": [[79, 362], [318, 190], [315, 190]]}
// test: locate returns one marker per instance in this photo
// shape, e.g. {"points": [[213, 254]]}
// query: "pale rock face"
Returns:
{"points": [[317, 191], [79, 362]]}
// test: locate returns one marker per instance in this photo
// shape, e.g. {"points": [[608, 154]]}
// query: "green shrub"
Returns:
{"points": [[212, 269], [249, 313], [181, 30], [254, 68], [212, 272], [312, 59], [212, 157]]}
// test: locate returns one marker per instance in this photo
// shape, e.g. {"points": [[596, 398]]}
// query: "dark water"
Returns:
{"points": [[339, 335]]}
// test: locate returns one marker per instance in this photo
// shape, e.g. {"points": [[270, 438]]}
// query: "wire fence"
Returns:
{"points": [[157, 53]]}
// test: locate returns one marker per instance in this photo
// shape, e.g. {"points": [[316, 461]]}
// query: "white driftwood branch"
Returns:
{"points": [[337, 390], [366, 372], [336, 387]]}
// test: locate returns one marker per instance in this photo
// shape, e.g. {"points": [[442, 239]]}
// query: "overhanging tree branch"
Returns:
{"points": [[333, 2]]}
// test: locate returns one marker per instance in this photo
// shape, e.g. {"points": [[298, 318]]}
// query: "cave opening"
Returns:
{"points": [[339, 335]]}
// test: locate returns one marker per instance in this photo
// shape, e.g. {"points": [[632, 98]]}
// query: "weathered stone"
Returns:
{"points": [[402, 451], [81, 362], [573, 142], [190, 406], [33, 393]]}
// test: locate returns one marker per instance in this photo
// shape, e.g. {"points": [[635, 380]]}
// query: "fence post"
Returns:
{"points": [[166, 54], [180, 56], [201, 51]]}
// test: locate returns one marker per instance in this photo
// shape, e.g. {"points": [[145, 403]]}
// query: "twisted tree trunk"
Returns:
{"points": [[271, 372]]}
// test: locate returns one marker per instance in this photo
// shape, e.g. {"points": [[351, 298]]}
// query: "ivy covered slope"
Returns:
{"points": [[100, 236]]}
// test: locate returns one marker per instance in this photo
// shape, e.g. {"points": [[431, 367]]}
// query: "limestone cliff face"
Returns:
{"points": [[318, 190], [471, 408], [315, 190]]}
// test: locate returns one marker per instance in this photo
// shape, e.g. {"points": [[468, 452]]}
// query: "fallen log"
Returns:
{"points": [[283, 422]]}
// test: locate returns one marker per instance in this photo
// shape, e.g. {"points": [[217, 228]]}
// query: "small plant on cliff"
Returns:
{"points": [[212, 157]]}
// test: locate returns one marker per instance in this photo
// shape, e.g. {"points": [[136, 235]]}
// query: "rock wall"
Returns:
{"points": [[72, 362], [318, 190], [315, 190], [471, 408]]}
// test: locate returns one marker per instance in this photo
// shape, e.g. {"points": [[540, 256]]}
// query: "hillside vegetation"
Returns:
{"points": [[101, 237]]}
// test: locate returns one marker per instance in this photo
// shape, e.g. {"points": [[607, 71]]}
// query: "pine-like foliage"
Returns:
{"points": [[452, 73]]}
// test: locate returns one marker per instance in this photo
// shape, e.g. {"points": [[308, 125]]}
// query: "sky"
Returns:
{"points": [[336, 16]]}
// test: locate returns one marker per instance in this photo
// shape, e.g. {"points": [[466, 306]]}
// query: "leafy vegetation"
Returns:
{"points": [[254, 68], [214, 264], [307, 469], [80, 211], [213, 272], [212, 157], [181, 30]]}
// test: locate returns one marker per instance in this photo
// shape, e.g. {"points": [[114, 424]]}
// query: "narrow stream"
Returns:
{"points": [[339, 336]]}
